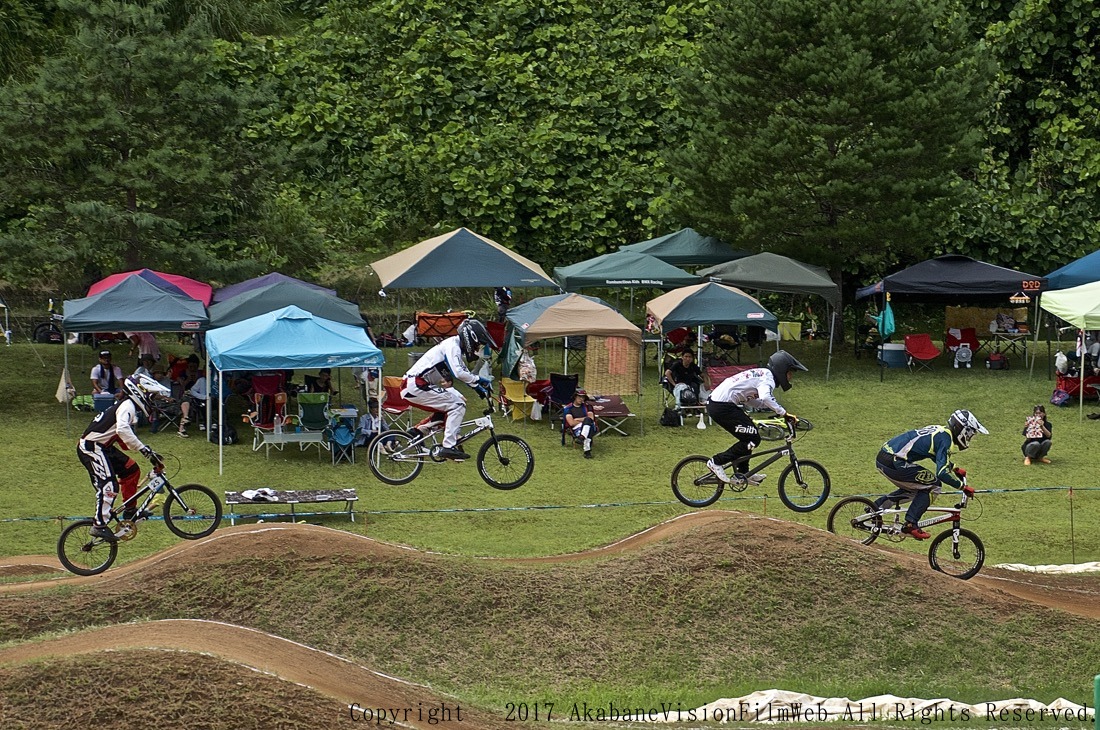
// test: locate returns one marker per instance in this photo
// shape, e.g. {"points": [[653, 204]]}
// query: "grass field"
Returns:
{"points": [[745, 605], [571, 503]]}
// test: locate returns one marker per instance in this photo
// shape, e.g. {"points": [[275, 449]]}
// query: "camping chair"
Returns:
{"points": [[313, 411], [678, 340], [725, 340], [920, 351], [342, 434], [514, 399], [269, 406], [398, 410], [438, 326], [562, 388], [164, 413], [576, 348]]}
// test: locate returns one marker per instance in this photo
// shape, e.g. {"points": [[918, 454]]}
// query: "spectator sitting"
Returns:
{"points": [[145, 365], [685, 380], [580, 420], [371, 424], [322, 383], [106, 376], [194, 397]]}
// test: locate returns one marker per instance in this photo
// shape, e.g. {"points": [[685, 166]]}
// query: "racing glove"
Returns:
{"points": [[968, 490], [152, 456]]}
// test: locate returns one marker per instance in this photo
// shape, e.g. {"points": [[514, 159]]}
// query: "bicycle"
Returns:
{"points": [[504, 461], [695, 485], [960, 557], [191, 511], [49, 333]]}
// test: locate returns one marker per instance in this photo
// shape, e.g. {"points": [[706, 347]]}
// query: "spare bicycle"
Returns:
{"points": [[956, 552], [803, 485], [190, 511], [504, 461]]}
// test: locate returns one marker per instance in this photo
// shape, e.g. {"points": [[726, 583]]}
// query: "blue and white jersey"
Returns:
{"points": [[931, 443]]}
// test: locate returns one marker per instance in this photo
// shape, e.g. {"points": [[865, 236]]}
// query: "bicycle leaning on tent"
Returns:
{"points": [[803, 485], [956, 552], [504, 461], [190, 511]]}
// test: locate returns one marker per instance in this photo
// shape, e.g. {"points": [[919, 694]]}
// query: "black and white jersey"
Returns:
{"points": [[115, 424]]}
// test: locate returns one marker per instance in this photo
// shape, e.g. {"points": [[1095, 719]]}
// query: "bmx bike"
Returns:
{"points": [[803, 485], [190, 511], [957, 552], [504, 461]]}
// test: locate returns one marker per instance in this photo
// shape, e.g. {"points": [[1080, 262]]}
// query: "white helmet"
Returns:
{"points": [[142, 389], [963, 426]]}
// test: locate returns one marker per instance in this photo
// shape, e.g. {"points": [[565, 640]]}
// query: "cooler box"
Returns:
{"points": [[102, 401], [892, 355], [413, 357], [790, 330]]}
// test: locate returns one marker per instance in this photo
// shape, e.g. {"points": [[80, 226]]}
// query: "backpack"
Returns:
{"points": [[228, 433], [1059, 397], [671, 417], [997, 361]]}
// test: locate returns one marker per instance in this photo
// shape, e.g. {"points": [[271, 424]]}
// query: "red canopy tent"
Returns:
{"points": [[169, 282]]}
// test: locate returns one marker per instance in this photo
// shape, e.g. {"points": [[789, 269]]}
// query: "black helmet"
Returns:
{"points": [[963, 425], [472, 336], [781, 363]]}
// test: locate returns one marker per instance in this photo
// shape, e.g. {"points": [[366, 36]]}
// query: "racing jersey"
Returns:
{"points": [[442, 362], [932, 443], [115, 424], [751, 388]]}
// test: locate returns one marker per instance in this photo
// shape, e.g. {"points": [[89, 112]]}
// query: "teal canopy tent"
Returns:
{"points": [[622, 269], [687, 248], [283, 294]]}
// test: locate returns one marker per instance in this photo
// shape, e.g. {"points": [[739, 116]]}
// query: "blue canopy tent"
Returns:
{"points": [[1084, 270], [289, 338]]}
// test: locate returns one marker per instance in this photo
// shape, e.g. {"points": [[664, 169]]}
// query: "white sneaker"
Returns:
{"points": [[718, 471], [757, 478]]}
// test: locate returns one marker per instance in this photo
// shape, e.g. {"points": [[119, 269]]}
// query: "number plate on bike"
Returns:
{"points": [[156, 483], [483, 422]]}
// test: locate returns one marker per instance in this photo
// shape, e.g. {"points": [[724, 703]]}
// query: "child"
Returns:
{"points": [[1036, 436], [370, 424]]}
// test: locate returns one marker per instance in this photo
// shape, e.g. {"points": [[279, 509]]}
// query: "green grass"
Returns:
{"points": [[449, 509]]}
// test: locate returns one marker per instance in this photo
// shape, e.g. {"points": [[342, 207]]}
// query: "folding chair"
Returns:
{"points": [[725, 339], [165, 414], [313, 411], [576, 348], [514, 398], [269, 406], [397, 409], [342, 433], [562, 388], [920, 351]]}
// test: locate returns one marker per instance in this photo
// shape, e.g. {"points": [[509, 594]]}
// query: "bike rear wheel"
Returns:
{"points": [[694, 484], [845, 520], [83, 554], [48, 333], [806, 488], [192, 512], [505, 461], [397, 465], [962, 562]]}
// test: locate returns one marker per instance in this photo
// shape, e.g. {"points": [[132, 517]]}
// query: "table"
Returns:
{"points": [[294, 497], [1009, 343], [267, 439], [611, 413]]}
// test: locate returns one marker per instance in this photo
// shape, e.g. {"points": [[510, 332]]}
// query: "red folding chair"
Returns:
{"points": [[394, 406], [920, 351]]}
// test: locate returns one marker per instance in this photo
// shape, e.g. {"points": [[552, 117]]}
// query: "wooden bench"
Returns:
{"points": [[295, 497]]}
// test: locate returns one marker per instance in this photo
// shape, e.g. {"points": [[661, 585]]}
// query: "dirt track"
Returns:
{"points": [[348, 682]]}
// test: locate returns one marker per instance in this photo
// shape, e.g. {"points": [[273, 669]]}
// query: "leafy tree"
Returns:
{"points": [[830, 130], [1033, 201], [539, 123], [126, 149]]}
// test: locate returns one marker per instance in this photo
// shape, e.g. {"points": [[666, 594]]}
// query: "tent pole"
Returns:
{"points": [[829, 361], [68, 426], [221, 418]]}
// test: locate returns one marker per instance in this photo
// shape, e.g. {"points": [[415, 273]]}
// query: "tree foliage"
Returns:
{"points": [[126, 149], [830, 130], [1034, 198], [535, 122]]}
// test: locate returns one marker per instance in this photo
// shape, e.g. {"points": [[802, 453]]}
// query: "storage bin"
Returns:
{"points": [[102, 401], [790, 330], [413, 357]]}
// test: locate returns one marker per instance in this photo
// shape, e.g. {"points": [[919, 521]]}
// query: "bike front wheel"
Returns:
{"points": [[694, 483], [83, 554], [192, 511], [47, 333], [855, 518], [962, 561], [804, 486], [505, 461], [392, 458]]}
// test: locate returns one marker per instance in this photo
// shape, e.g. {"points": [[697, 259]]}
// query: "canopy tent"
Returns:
{"points": [[287, 339], [613, 366], [710, 303], [1080, 306], [169, 282], [955, 277], [772, 272], [623, 269], [258, 282], [459, 259], [685, 247], [276, 296], [135, 305], [1084, 270]]}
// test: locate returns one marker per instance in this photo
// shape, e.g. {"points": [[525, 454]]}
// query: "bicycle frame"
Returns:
{"points": [[895, 525], [776, 454], [419, 450]]}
